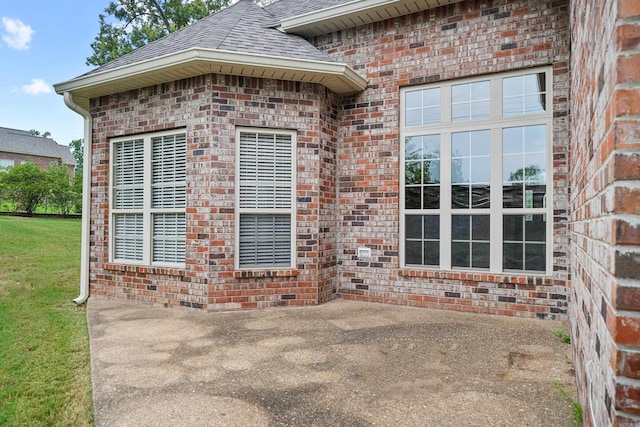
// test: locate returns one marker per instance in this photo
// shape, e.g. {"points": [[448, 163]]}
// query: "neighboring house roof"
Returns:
{"points": [[246, 39], [23, 142]]}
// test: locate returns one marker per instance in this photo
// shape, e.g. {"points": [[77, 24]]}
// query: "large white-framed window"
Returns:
{"points": [[476, 174], [265, 198], [6, 163], [148, 199]]}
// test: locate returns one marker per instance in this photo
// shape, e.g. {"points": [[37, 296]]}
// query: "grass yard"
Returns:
{"points": [[45, 375]]}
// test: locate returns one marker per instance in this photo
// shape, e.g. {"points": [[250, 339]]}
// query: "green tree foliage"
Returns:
{"points": [[77, 148], [62, 195], [128, 24], [26, 185], [34, 132]]}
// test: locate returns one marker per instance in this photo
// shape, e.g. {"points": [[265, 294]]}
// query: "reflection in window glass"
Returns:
{"points": [[524, 173], [524, 94], [470, 241], [470, 101], [422, 240], [470, 169], [422, 172], [524, 242], [422, 107]]}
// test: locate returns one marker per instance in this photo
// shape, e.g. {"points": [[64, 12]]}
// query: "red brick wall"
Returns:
{"points": [[43, 162], [465, 39], [605, 199], [211, 107]]}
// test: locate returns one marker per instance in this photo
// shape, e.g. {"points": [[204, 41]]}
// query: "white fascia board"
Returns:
{"points": [[333, 12], [348, 75]]}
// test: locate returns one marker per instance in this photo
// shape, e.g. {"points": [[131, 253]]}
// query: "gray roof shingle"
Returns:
{"points": [[243, 27], [284, 9], [23, 142]]}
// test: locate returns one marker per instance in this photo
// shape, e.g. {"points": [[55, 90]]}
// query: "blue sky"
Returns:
{"points": [[43, 42]]}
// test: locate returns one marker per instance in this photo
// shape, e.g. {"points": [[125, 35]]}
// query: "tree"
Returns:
{"points": [[26, 185], [77, 148], [61, 194], [129, 24], [34, 132]]}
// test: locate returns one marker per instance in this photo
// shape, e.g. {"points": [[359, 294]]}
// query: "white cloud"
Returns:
{"points": [[16, 34], [37, 87]]}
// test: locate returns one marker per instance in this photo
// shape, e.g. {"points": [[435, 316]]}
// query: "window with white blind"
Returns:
{"points": [[476, 174], [148, 199], [265, 191]]}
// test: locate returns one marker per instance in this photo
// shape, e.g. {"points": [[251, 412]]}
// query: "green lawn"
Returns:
{"points": [[45, 375]]}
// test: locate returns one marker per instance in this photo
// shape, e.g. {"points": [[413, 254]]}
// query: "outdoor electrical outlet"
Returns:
{"points": [[364, 253]]}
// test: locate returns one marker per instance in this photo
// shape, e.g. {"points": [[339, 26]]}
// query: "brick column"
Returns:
{"points": [[605, 201]]}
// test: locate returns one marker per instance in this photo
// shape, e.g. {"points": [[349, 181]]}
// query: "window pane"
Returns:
{"points": [[265, 240], [513, 256], [413, 99], [412, 197], [431, 172], [128, 174], [524, 246], [413, 148], [169, 171], [265, 170], [413, 252], [422, 245], [431, 197], [525, 167], [413, 173], [461, 254], [432, 253], [534, 255], [169, 231], [524, 94], [413, 227], [431, 227], [460, 227], [128, 237], [470, 101], [480, 255], [460, 196], [480, 226]]}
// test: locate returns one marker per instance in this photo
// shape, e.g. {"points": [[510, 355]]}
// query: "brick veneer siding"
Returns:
{"points": [[210, 107], [41, 161], [470, 38], [605, 200]]}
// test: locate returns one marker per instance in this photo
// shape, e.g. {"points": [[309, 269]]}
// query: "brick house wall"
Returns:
{"points": [[465, 39], [210, 107], [41, 161], [605, 252]]}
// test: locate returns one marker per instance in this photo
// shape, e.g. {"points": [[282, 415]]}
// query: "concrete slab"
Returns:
{"points": [[339, 364]]}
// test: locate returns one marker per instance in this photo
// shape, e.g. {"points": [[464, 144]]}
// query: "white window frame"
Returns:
{"points": [[147, 211], [495, 123], [290, 210]]}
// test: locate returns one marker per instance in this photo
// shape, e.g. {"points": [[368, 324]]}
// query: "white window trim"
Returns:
{"points": [[147, 211], [290, 211], [495, 123]]}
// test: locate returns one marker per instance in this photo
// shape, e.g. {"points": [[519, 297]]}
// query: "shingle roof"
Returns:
{"points": [[243, 27], [23, 142], [283, 9]]}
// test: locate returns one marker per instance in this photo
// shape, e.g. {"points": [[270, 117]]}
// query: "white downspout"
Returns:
{"points": [[86, 199]]}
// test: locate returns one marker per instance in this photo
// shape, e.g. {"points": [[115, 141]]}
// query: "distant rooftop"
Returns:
{"points": [[23, 142]]}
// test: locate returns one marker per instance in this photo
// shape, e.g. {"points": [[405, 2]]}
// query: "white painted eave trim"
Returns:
{"points": [[291, 25], [340, 77], [354, 13]]}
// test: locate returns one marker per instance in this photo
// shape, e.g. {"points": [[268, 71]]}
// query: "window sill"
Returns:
{"points": [[145, 269], [244, 274], [478, 276]]}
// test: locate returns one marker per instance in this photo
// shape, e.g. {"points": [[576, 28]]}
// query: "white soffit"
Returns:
{"points": [[354, 14], [340, 78]]}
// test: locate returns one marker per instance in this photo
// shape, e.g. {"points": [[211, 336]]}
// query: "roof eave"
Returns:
{"points": [[338, 77], [354, 14]]}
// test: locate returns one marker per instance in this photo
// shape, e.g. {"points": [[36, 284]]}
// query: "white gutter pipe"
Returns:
{"points": [[86, 199]]}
